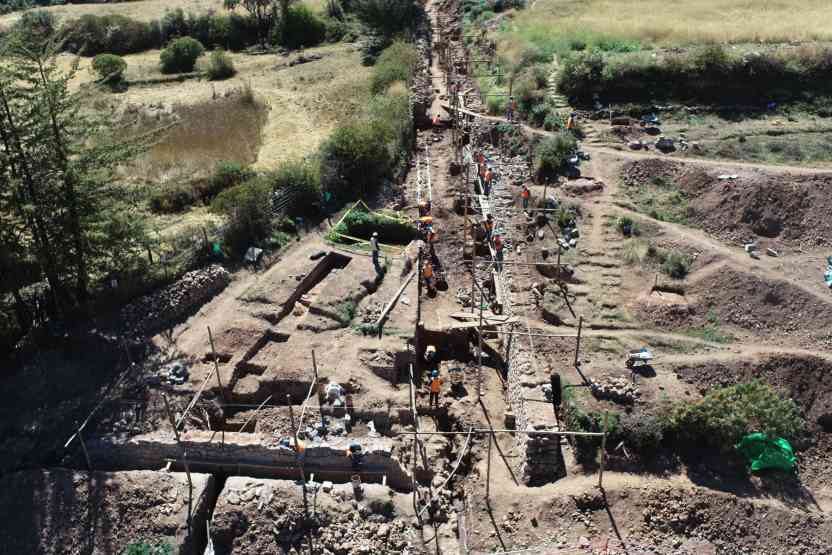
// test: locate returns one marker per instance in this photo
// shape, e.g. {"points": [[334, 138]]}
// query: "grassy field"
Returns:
{"points": [[623, 25], [296, 108], [143, 10]]}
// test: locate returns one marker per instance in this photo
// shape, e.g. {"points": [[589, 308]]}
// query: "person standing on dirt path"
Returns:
{"points": [[498, 250], [524, 195], [435, 389], [510, 109], [489, 176], [488, 226], [374, 246]]}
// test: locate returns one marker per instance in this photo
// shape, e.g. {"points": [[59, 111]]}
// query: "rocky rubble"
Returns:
{"points": [[176, 300], [619, 390], [267, 516], [732, 525]]}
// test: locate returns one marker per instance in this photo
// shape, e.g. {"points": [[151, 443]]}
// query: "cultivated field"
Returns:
{"points": [[631, 24]]}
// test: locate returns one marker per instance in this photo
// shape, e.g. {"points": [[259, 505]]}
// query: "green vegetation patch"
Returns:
{"points": [[725, 415], [362, 224], [660, 199]]}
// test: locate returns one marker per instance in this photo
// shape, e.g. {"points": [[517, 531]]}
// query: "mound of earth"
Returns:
{"points": [[726, 524], [792, 209], [764, 307]]}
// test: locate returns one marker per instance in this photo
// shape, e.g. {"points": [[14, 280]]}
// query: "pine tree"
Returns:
{"points": [[59, 195]]}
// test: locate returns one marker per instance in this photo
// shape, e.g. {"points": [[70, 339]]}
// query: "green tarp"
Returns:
{"points": [[764, 452]]}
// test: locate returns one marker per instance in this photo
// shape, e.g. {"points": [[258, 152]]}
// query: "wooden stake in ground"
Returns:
{"points": [[170, 417], [603, 453], [190, 489], [488, 469], [298, 459], [84, 448], [216, 363]]}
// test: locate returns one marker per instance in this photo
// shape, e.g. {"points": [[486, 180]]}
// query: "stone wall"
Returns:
{"points": [[178, 299], [250, 454]]}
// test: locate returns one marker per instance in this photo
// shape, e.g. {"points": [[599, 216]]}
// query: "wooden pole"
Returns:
{"points": [[603, 453], [190, 488], [250, 418], [578, 342], [488, 469], [170, 417], [298, 460], [314, 365], [84, 448], [216, 363], [479, 349], [320, 390], [291, 412]]}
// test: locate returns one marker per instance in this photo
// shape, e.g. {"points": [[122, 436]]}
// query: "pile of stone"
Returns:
{"points": [[370, 313], [619, 390], [176, 300], [463, 296], [544, 459], [174, 373]]}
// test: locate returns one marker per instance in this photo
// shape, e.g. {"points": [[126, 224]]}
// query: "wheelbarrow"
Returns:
{"points": [[641, 357]]}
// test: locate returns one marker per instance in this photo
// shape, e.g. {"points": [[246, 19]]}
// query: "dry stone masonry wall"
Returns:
{"points": [[176, 300]]}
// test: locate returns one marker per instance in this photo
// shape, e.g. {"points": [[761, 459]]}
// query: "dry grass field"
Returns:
{"points": [[557, 25], [143, 10]]}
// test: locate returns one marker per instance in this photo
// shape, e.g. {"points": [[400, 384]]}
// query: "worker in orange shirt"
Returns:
{"points": [[498, 250], [488, 226], [487, 178], [427, 275], [524, 195], [435, 388]]}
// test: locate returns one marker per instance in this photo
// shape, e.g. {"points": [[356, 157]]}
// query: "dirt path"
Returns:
{"points": [[637, 155]]}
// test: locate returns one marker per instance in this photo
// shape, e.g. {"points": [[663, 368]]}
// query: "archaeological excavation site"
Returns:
{"points": [[418, 277]]}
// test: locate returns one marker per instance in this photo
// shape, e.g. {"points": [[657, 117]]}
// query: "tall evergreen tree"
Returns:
{"points": [[59, 193]]}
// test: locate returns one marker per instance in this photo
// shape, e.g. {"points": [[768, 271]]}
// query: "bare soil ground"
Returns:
{"points": [[71, 512], [732, 319]]}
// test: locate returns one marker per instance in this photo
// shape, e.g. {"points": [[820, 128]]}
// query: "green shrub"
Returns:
{"points": [[248, 209], [627, 226], [676, 264], [539, 113], [181, 54], [576, 419], [302, 28], [641, 432], [172, 198], [393, 118], [726, 414], [553, 122], [221, 66], [35, 28], [496, 105], [225, 176], [302, 177], [354, 160], [553, 153], [143, 548], [362, 224], [396, 63], [109, 67], [388, 18], [113, 34]]}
